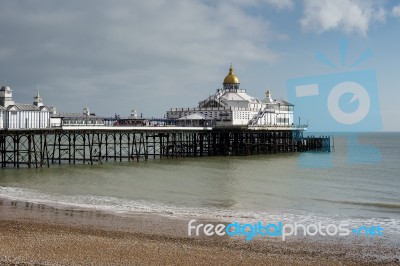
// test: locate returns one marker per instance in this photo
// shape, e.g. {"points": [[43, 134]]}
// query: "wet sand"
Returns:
{"points": [[35, 234]]}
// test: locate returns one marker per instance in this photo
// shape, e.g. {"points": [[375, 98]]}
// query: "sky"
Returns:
{"points": [[115, 56]]}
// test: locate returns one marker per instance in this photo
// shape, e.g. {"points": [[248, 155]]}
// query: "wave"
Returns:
{"points": [[116, 205], [131, 207], [389, 205]]}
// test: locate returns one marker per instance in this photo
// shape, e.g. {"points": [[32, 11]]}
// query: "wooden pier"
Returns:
{"points": [[91, 145]]}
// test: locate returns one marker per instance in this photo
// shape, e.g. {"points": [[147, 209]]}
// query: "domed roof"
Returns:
{"points": [[5, 88], [231, 78]]}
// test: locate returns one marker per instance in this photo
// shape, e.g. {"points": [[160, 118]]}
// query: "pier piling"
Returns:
{"points": [[38, 148]]}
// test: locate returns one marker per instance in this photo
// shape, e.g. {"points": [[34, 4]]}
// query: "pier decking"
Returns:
{"points": [[90, 145]]}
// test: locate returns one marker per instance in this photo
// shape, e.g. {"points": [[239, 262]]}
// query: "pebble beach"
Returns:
{"points": [[34, 234]]}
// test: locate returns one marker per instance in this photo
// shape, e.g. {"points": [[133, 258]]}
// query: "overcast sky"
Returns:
{"points": [[113, 56]]}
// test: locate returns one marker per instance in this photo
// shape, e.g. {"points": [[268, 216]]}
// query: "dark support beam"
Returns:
{"points": [[37, 148]]}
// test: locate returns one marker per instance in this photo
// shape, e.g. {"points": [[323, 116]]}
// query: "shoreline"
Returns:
{"points": [[38, 234]]}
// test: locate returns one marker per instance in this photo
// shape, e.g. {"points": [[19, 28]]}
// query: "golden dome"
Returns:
{"points": [[231, 78]]}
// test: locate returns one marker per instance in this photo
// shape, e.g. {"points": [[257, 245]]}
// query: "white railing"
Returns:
{"points": [[215, 109], [288, 127]]}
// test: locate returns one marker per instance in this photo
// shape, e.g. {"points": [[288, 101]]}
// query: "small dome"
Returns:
{"points": [[231, 78], [5, 88]]}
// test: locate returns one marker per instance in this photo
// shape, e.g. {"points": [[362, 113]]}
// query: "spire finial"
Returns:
{"points": [[37, 91]]}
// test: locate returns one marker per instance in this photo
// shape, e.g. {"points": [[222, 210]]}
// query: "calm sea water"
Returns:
{"points": [[270, 187]]}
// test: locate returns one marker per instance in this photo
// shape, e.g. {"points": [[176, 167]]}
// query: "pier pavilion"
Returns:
{"points": [[22, 116], [231, 106]]}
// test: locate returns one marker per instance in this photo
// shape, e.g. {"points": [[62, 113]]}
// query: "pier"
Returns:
{"points": [[94, 145]]}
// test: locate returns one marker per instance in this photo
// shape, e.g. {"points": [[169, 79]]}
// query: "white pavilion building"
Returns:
{"points": [[232, 106], [22, 116]]}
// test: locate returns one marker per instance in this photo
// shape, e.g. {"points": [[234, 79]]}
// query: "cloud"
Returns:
{"points": [[396, 11], [112, 55], [277, 4], [281, 4], [350, 16]]}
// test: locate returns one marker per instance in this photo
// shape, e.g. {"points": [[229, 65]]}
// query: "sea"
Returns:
{"points": [[358, 183]]}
